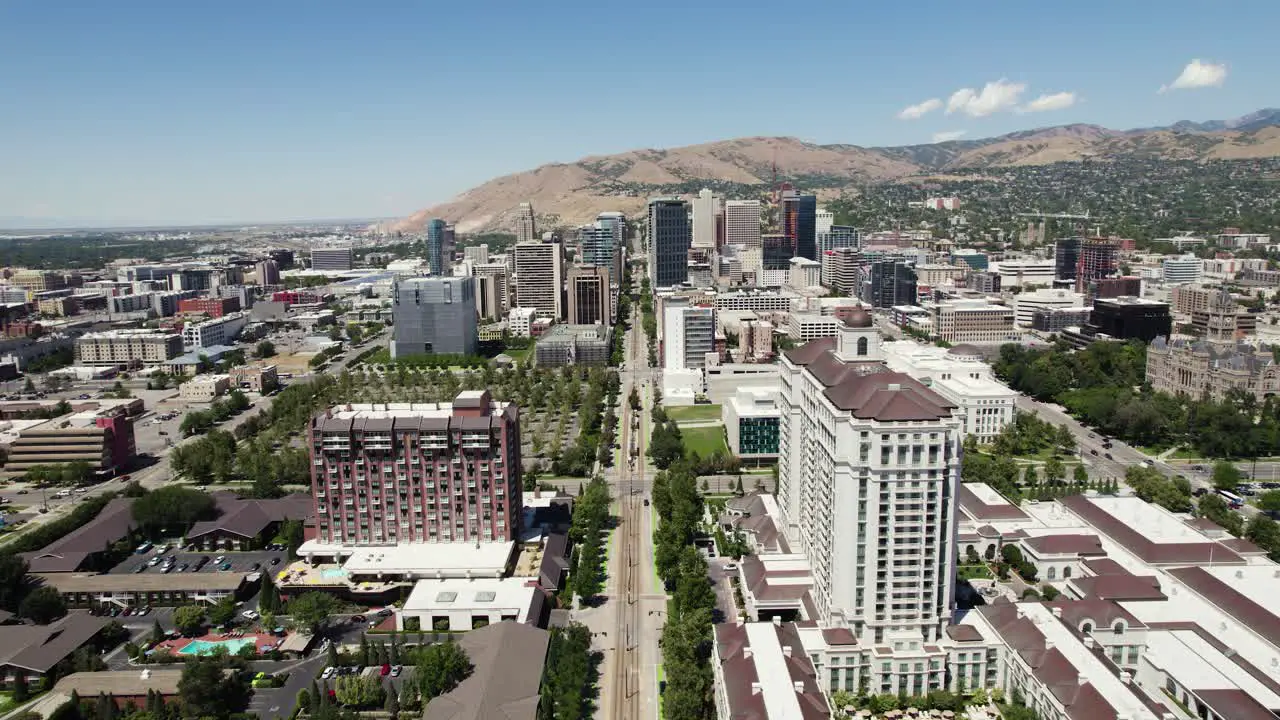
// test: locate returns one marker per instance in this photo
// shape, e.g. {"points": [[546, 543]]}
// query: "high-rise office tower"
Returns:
{"points": [[476, 253], [329, 259], [688, 334], [589, 299], [742, 228], [525, 230], [1099, 258], [434, 316], [669, 238], [840, 270], [839, 236], [435, 245], [889, 283], [776, 252], [616, 224], [450, 242], [268, 272], [799, 223], [492, 293], [824, 220], [464, 485], [538, 277], [867, 488], [705, 208], [1066, 256]]}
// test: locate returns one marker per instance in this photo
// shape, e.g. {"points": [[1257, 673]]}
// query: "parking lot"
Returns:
{"points": [[241, 562]]}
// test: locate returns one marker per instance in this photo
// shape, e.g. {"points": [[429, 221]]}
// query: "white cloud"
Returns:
{"points": [[1046, 102], [941, 137], [994, 97], [1198, 74], [915, 112]]}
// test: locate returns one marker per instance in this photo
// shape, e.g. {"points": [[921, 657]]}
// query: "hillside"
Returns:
{"points": [[574, 193]]}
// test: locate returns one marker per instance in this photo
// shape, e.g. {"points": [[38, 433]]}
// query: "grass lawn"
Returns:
{"points": [[520, 355], [693, 413], [972, 572], [704, 440]]}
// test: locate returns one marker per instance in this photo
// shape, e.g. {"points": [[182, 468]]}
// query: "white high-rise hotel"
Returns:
{"points": [[867, 489]]}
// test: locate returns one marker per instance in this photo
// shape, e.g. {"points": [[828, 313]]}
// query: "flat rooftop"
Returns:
{"points": [[1198, 665], [461, 559], [461, 594], [393, 410]]}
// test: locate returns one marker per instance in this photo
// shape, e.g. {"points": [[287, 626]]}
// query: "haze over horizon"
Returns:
{"points": [[151, 113]]}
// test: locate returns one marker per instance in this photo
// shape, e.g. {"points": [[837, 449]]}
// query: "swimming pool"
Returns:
{"points": [[206, 647], [333, 573]]}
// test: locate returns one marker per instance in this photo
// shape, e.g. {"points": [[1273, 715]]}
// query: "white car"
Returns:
{"points": [[250, 615], [730, 567]]}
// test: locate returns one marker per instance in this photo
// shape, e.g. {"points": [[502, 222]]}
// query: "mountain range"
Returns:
{"points": [[573, 193]]}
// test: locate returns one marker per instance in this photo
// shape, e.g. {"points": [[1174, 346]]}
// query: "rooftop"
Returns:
{"points": [[40, 647], [982, 503], [144, 582], [508, 661], [66, 554], [513, 594], [120, 683], [423, 559], [766, 673]]}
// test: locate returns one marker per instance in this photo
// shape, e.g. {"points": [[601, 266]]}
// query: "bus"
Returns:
{"points": [[1235, 501]]}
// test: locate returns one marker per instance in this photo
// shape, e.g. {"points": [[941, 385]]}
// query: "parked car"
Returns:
{"points": [[386, 670], [357, 619], [183, 567], [224, 566], [275, 561], [328, 672], [250, 615], [254, 567], [140, 568], [218, 560], [396, 670]]}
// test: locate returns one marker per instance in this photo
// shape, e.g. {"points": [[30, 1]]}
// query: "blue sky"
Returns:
{"points": [[141, 112]]}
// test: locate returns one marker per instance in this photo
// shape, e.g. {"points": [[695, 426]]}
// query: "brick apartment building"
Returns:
{"points": [[212, 306], [417, 473]]}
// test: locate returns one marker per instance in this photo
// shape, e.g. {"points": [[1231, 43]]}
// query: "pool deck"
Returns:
{"points": [[302, 575], [174, 646]]}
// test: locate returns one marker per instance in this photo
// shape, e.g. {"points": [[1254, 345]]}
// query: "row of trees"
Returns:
{"points": [[568, 688], [198, 422], [217, 457], [686, 637], [1029, 435], [599, 427], [587, 531]]}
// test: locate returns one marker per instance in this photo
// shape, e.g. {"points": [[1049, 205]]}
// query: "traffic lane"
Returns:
{"points": [[270, 703]]}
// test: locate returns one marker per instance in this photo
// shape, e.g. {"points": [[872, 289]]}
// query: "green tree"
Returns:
{"points": [[172, 507], [1226, 476], [43, 605], [312, 609], [1080, 475], [223, 612], [208, 690], [189, 619], [439, 669], [13, 581], [1269, 501]]}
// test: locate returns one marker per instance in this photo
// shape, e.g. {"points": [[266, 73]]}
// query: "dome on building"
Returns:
{"points": [[859, 318]]}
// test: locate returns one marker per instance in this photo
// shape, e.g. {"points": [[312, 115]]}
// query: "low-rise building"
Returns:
{"points": [[561, 345], [804, 327], [508, 661], [761, 670], [1057, 319], [245, 523], [215, 331], [751, 421], [972, 321], [255, 378], [29, 653], [1129, 318], [204, 388], [458, 605], [106, 590], [127, 348], [520, 321], [103, 440], [1026, 304], [1198, 368], [960, 375]]}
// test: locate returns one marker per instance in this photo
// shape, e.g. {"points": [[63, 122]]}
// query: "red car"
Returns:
{"points": [[386, 670]]}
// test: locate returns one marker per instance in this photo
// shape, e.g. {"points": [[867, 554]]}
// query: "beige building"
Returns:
{"points": [[589, 300], [1197, 368], [204, 388], [972, 321], [1217, 317], [1187, 299], [935, 275], [128, 348], [35, 281], [255, 378], [755, 339]]}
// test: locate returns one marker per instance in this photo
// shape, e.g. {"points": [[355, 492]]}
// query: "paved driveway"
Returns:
{"points": [[278, 702]]}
